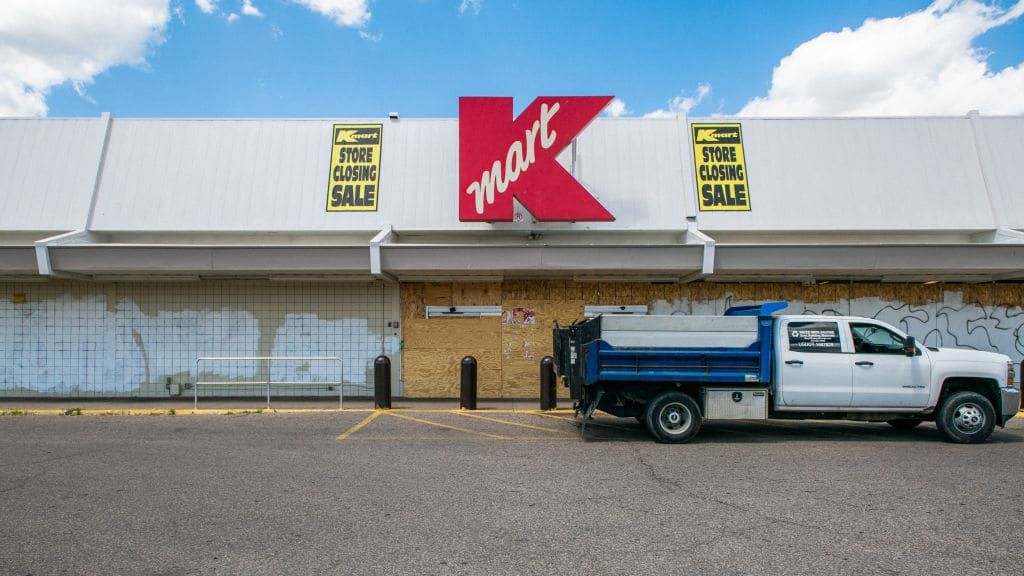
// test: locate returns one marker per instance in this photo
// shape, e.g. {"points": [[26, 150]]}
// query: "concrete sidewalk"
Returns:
{"points": [[185, 406]]}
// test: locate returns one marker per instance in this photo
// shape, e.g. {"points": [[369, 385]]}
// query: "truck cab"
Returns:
{"points": [[830, 362]]}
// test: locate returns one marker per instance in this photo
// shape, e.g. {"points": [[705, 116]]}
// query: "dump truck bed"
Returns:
{"points": [[730, 349]]}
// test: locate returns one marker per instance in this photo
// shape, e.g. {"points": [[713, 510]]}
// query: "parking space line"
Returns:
{"points": [[375, 438], [413, 410], [589, 423], [506, 422], [448, 426], [360, 425]]}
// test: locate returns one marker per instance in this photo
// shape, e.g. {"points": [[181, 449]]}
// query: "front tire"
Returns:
{"points": [[673, 417], [966, 418]]}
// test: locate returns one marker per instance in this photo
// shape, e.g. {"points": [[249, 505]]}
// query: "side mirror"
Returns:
{"points": [[910, 346]]}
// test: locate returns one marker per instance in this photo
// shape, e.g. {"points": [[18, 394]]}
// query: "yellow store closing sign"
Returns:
{"points": [[354, 181], [720, 167]]}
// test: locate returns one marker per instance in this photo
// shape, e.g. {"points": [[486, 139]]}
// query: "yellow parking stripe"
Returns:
{"points": [[589, 422], [359, 426], [448, 426], [479, 417], [375, 438]]}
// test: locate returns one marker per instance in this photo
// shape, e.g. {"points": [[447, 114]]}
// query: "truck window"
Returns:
{"points": [[820, 336], [874, 339]]}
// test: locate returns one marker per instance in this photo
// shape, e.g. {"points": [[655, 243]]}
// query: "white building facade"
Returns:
{"points": [[131, 248]]}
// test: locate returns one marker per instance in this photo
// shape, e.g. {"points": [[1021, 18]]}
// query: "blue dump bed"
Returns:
{"points": [[585, 354]]}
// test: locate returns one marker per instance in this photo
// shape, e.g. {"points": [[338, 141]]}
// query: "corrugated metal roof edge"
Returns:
{"points": [[245, 119], [53, 118], [455, 119], [899, 117]]}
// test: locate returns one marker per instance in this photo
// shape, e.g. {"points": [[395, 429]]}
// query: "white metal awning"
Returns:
{"points": [[661, 257]]}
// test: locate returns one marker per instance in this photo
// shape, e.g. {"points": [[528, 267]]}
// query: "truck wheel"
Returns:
{"points": [[966, 418], [673, 417], [905, 424]]}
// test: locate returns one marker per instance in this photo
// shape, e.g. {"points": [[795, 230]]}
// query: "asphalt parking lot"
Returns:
{"points": [[499, 492]]}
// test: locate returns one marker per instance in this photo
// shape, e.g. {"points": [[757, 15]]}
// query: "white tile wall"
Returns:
{"points": [[127, 339]]}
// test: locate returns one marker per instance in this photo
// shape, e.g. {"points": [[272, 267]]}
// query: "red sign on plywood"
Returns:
{"points": [[501, 158]]}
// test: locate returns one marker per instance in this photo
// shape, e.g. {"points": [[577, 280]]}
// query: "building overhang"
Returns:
{"points": [[116, 259], [18, 261], [413, 261], [651, 256], [884, 263]]}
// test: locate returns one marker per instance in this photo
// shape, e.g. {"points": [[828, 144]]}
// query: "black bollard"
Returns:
{"points": [[548, 397], [382, 382], [467, 397]]}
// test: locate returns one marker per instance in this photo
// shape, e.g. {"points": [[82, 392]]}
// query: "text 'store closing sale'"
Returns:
{"points": [[721, 167], [355, 168]]}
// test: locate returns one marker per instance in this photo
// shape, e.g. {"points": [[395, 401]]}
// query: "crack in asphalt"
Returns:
{"points": [[19, 484], [669, 484]]}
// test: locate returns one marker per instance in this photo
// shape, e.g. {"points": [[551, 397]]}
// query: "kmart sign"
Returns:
{"points": [[501, 158]]}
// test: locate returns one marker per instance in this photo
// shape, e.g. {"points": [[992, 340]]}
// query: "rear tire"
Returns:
{"points": [[905, 424], [673, 417], [966, 418]]}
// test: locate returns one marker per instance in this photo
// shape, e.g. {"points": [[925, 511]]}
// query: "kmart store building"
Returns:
{"points": [[131, 248]]}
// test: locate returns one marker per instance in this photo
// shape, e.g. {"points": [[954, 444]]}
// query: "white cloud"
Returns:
{"points": [[350, 13], [249, 10], [371, 37], [470, 6], [206, 6], [920, 63], [681, 104], [45, 43], [231, 18], [616, 108]]}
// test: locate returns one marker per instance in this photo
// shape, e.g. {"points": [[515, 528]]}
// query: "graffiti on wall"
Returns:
{"points": [[519, 316], [951, 323]]}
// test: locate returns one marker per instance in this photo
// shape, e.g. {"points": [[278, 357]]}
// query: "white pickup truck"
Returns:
{"points": [[673, 372]]}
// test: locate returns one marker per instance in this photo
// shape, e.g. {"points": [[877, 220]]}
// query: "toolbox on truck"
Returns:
{"points": [[735, 403]]}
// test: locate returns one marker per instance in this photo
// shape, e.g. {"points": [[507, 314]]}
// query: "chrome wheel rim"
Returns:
{"points": [[968, 418], [675, 418]]}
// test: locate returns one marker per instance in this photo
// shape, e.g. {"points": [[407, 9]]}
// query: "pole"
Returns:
{"points": [[548, 398], [382, 382], [467, 387]]}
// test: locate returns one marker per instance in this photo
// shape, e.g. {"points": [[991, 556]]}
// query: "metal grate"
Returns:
{"points": [[289, 376]]}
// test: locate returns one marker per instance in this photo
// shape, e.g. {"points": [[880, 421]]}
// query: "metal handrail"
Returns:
{"points": [[269, 383]]}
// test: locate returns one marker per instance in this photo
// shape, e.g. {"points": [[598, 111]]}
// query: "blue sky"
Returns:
{"points": [[418, 57]]}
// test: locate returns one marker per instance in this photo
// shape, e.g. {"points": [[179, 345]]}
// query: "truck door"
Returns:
{"points": [[883, 376], [814, 371]]}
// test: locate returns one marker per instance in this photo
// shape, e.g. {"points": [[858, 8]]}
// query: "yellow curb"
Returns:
{"points": [[98, 412], [239, 411]]}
